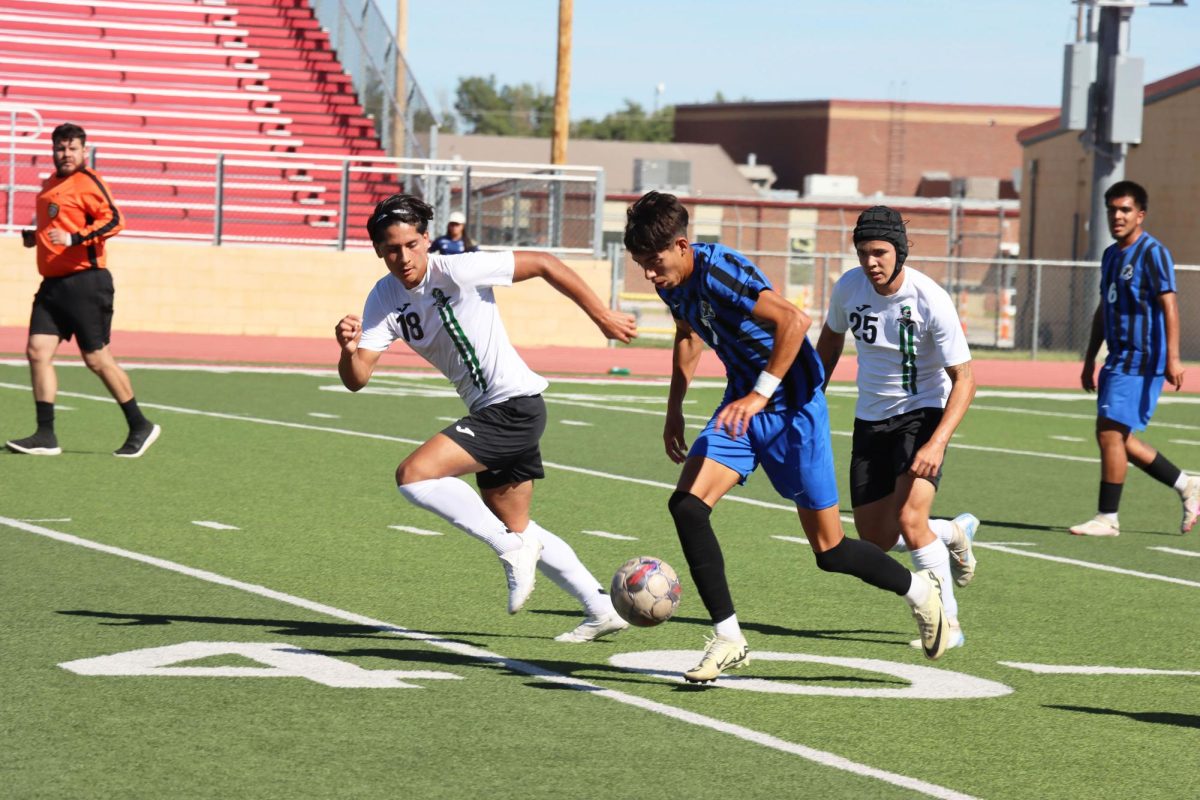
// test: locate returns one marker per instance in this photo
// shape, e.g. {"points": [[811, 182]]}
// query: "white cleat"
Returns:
{"points": [[931, 617], [1097, 526], [520, 569], [962, 555], [1191, 504], [592, 629], [954, 637]]}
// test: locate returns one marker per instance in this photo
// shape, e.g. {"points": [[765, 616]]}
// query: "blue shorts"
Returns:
{"points": [[1128, 399], [792, 446]]}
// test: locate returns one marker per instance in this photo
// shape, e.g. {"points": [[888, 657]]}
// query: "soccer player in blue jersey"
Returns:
{"points": [[1138, 319], [773, 413]]}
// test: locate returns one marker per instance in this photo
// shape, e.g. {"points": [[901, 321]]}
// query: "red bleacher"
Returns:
{"points": [[164, 87]]}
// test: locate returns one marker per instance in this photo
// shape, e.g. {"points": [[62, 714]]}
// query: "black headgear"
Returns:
{"points": [[883, 224]]}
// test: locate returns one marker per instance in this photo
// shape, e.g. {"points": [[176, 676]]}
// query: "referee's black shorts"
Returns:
{"points": [[79, 305], [504, 438], [884, 450]]}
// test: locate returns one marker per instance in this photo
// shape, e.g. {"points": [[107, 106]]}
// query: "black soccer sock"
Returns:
{"points": [[1110, 497], [868, 563], [45, 416], [133, 415], [703, 553], [1162, 470]]}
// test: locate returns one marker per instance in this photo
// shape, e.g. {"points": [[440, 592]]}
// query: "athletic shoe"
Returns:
{"points": [[1191, 504], [520, 569], [720, 654], [954, 637], [962, 556], [40, 444], [931, 617], [1097, 526], [139, 442], [592, 629]]}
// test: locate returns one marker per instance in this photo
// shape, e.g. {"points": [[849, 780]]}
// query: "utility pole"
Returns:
{"points": [[562, 85], [399, 129]]}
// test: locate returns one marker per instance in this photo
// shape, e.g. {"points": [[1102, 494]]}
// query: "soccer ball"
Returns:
{"points": [[645, 591]]}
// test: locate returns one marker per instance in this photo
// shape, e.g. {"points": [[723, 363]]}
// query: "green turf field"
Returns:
{"points": [[317, 637]]}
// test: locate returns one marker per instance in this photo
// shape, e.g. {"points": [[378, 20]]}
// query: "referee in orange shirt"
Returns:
{"points": [[75, 215]]}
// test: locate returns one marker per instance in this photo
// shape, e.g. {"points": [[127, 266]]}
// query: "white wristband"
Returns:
{"points": [[766, 384]]}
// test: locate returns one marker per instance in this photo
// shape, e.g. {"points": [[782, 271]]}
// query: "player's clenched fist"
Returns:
{"points": [[347, 332]]}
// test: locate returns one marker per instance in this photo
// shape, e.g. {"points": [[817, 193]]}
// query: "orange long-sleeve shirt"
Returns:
{"points": [[82, 206]]}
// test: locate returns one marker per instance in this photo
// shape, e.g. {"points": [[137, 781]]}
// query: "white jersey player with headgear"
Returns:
{"points": [[444, 309], [914, 386]]}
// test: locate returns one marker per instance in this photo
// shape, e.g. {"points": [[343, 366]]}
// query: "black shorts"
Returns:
{"points": [[884, 450], [504, 438], [79, 305]]}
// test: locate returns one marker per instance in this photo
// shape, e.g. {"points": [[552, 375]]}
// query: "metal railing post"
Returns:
{"points": [[219, 201], [614, 261], [12, 169], [598, 217], [343, 204], [1037, 312]]}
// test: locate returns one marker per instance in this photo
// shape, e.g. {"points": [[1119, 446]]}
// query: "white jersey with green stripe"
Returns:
{"points": [[451, 320], [905, 341]]}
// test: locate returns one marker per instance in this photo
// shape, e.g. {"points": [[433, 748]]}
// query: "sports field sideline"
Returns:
{"points": [[149, 602]]}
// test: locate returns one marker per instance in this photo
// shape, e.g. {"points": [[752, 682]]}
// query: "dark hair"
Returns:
{"points": [[654, 222], [68, 131], [398, 208], [1128, 189]]}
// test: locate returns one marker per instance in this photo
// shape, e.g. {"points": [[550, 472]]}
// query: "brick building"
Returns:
{"points": [[889, 146]]}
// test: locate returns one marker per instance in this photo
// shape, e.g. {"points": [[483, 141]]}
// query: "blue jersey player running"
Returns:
{"points": [[1138, 319], [773, 413]]}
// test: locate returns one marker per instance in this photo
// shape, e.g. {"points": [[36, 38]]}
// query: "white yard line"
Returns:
{"points": [[821, 757], [1175, 552], [1059, 669], [607, 535], [319, 415], [216, 526], [417, 531], [1087, 564]]}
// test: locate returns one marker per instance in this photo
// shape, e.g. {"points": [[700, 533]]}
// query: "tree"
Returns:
{"points": [[522, 110], [630, 124]]}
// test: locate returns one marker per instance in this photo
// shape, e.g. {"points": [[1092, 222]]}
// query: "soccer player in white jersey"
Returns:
{"points": [[443, 307], [914, 386]]}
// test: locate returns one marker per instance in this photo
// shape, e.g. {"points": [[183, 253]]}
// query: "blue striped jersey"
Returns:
{"points": [[1134, 328], [716, 301]]}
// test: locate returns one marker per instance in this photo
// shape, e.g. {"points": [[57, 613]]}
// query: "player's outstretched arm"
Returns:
{"points": [[1087, 378], [791, 325], [684, 357], [829, 349], [1174, 369], [612, 323], [930, 456], [355, 366]]}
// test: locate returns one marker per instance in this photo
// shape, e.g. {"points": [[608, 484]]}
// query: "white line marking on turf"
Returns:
{"points": [[1176, 552], [417, 531], [1184, 441], [1069, 438], [821, 757], [794, 539], [576, 423], [216, 526], [1056, 669], [447, 419], [1089, 565], [1014, 544], [319, 415], [607, 535], [56, 519]]}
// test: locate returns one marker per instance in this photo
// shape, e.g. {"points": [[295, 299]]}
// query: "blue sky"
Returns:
{"points": [[952, 51]]}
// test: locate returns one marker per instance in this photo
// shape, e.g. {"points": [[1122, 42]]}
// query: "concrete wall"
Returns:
{"points": [[277, 291]]}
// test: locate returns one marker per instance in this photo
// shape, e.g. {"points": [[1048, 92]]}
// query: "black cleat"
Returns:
{"points": [[40, 444], [139, 442]]}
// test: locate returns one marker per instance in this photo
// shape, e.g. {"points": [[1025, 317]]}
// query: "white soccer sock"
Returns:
{"points": [[560, 564], [729, 628], [943, 529], [457, 503], [1181, 482], [918, 591], [936, 557], [1111, 519]]}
